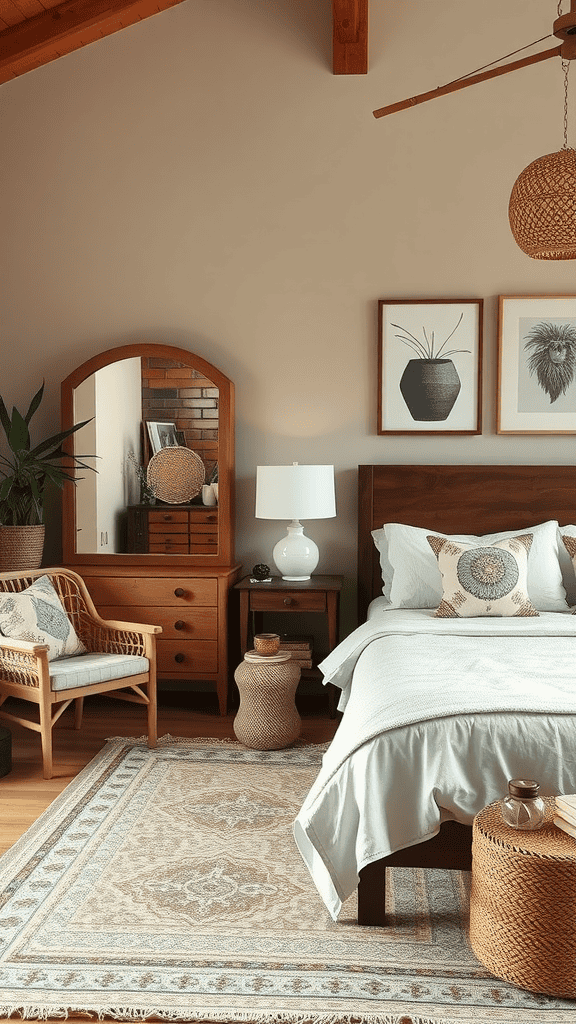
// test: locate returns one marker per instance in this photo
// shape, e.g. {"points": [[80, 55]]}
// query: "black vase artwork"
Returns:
{"points": [[430, 383]]}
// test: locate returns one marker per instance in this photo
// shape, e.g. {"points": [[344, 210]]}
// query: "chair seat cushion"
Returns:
{"points": [[87, 669]]}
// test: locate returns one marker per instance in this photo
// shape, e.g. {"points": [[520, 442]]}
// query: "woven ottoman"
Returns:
{"points": [[267, 718], [523, 903], [5, 751]]}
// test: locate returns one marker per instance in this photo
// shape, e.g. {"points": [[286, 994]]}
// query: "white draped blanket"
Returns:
{"points": [[438, 716]]}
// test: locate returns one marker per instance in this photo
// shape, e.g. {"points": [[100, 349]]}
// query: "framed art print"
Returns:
{"points": [[162, 435], [430, 366], [536, 364]]}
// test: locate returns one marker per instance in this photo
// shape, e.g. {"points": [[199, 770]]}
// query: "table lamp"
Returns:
{"points": [[295, 492]]}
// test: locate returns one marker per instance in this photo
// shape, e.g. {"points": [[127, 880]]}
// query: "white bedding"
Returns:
{"points": [[439, 714]]}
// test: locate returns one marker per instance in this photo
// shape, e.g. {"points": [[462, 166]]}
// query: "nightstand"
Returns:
{"points": [[319, 594]]}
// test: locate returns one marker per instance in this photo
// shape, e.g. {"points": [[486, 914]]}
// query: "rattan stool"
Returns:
{"points": [[267, 718], [523, 903]]}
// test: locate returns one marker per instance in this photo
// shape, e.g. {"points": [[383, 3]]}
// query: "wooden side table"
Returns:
{"points": [[319, 594], [522, 900]]}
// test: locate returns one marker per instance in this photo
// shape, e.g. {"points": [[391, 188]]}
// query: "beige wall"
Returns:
{"points": [[203, 179]]}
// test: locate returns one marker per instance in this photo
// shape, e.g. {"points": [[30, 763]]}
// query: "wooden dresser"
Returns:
{"points": [[176, 529], [191, 607], [171, 565]]}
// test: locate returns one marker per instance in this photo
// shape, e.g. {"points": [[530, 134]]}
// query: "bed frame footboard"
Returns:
{"points": [[450, 849]]}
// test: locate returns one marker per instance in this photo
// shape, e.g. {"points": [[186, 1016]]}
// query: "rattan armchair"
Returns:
{"points": [[26, 673]]}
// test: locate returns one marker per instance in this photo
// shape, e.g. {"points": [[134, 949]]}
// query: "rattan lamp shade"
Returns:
{"points": [[542, 208]]}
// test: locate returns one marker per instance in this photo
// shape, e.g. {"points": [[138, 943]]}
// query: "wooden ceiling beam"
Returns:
{"points": [[350, 37], [56, 27]]}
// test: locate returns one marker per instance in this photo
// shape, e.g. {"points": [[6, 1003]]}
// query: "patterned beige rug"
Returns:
{"points": [[166, 884]]}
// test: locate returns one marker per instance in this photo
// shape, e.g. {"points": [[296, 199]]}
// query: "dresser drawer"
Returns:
{"points": [[186, 657], [201, 623], [293, 602], [141, 590], [176, 544], [161, 517]]}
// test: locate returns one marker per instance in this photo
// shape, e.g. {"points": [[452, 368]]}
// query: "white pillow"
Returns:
{"points": [[38, 615], [487, 580], [387, 572], [566, 564], [417, 583]]}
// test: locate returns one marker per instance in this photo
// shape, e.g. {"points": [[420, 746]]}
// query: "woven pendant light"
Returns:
{"points": [[542, 209]]}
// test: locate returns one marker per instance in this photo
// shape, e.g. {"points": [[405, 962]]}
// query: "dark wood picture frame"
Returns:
{"points": [[419, 385]]}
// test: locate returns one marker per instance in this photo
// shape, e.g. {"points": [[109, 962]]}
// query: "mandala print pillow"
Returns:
{"points": [[489, 580], [38, 615]]}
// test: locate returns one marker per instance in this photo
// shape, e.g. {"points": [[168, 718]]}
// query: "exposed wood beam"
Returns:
{"points": [[58, 30], [350, 37]]}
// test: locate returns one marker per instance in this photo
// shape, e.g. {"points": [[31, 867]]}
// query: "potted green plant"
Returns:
{"points": [[25, 470]]}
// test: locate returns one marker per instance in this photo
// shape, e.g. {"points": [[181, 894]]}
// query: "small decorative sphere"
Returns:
{"points": [[261, 571]]}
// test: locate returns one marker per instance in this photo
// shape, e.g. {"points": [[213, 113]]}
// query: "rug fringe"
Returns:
{"points": [[207, 741], [194, 1016]]}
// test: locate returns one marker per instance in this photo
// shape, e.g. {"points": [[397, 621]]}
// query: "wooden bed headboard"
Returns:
{"points": [[455, 499]]}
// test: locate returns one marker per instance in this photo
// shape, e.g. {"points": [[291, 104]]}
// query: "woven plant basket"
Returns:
{"points": [[21, 547], [542, 208]]}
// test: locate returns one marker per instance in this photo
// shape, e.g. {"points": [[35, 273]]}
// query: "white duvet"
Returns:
{"points": [[438, 715]]}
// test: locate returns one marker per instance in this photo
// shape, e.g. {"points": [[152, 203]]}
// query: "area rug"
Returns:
{"points": [[166, 884]]}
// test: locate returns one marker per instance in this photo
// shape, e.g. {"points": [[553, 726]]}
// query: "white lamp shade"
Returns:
{"points": [[295, 492]]}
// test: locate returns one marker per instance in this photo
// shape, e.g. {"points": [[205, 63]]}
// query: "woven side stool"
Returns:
{"points": [[267, 718], [523, 903]]}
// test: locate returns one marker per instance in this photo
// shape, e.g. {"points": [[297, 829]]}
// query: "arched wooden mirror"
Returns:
{"points": [[144, 402]]}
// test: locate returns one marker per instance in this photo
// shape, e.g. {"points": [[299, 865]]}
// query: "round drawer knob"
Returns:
{"points": [[167, 518], [288, 601], [179, 592], [179, 624], [179, 658]]}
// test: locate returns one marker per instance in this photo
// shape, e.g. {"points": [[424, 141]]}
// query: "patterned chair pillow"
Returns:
{"points": [[38, 615], [486, 580]]}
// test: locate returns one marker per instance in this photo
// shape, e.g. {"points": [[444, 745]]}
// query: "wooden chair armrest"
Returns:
{"points": [[22, 646], [133, 627]]}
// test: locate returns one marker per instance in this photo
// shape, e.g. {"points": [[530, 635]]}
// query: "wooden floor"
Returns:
{"points": [[24, 794]]}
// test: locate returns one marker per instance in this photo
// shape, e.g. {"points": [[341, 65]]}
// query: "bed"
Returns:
{"points": [[505, 704]]}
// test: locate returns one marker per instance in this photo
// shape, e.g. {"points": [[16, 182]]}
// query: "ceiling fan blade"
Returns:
{"points": [[463, 83]]}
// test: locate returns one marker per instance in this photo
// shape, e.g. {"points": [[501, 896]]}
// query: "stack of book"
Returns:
{"points": [[565, 813], [300, 647]]}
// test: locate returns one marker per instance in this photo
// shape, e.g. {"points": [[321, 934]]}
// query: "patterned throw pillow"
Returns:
{"points": [[570, 545], [38, 615], [488, 580]]}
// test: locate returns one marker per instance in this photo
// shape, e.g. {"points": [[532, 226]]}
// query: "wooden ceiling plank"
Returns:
{"points": [[350, 37], [45, 31]]}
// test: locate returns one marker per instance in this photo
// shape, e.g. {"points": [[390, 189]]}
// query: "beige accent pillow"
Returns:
{"points": [[486, 580], [570, 545]]}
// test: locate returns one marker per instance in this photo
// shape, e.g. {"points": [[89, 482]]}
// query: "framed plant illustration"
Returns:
{"points": [[430, 366], [536, 364]]}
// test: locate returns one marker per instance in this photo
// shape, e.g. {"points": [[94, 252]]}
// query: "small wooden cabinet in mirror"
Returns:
{"points": [[161, 424]]}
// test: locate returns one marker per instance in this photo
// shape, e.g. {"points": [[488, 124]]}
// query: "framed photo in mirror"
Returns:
{"points": [[162, 435]]}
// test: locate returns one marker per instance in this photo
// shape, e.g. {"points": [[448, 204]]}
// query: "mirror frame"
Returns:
{"points": [[226, 475]]}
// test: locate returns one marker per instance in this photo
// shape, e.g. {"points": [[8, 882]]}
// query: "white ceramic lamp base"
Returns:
{"points": [[296, 556]]}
